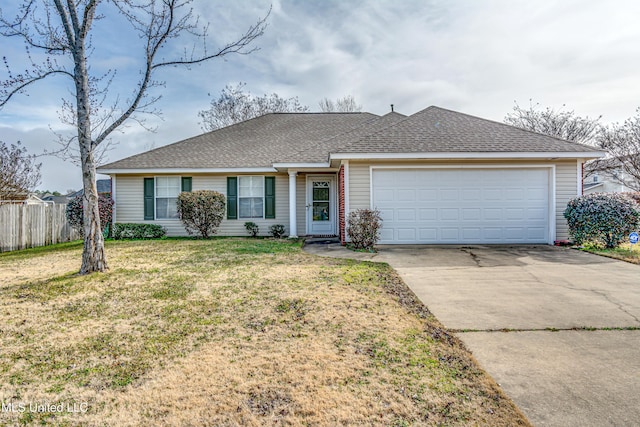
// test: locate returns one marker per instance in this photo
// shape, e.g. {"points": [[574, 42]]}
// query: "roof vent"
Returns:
{"points": [[392, 108]]}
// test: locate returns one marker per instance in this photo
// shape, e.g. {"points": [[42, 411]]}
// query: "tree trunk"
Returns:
{"points": [[93, 255]]}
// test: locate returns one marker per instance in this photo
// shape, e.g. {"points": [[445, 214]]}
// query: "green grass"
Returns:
{"points": [[273, 319]]}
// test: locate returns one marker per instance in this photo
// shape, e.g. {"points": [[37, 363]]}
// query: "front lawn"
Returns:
{"points": [[624, 252], [228, 332]]}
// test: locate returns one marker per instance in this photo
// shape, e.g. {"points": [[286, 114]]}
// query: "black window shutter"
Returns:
{"points": [[149, 184], [186, 183], [232, 197], [269, 197]]}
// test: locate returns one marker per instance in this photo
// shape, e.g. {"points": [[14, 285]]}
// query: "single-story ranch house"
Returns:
{"points": [[437, 176]]}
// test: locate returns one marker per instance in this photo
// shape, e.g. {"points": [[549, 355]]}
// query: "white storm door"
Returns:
{"points": [[321, 217]]}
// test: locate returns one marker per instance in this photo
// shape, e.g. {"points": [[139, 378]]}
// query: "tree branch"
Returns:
{"points": [[161, 27], [68, 28], [9, 94]]}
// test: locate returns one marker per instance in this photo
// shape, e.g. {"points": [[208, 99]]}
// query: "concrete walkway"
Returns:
{"points": [[567, 359]]}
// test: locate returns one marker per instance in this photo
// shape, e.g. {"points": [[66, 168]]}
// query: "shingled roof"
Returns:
{"points": [[312, 137], [320, 152], [255, 143], [437, 130]]}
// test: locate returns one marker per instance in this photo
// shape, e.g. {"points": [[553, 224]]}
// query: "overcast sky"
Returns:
{"points": [[473, 56]]}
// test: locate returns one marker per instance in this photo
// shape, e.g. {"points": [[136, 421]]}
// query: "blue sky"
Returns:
{"points": [[477, 57]]}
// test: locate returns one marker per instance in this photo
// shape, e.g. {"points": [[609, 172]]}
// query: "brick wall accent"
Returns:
{"points": [[341, 216]]}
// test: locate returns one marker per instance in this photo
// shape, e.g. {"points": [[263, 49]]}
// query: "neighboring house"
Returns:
{"points": [[607, 176], [59, 200], [437, 176], [103, 186], [604, 182]]}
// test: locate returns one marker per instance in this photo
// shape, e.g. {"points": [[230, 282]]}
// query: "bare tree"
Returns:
{"points": [[63, 29], [346, 104], [19, 172], [558, 123], [234, 105], [622, 142]]}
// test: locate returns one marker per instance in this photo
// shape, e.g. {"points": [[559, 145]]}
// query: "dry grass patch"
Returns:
{"points": [[625, 252], [231, 332]]}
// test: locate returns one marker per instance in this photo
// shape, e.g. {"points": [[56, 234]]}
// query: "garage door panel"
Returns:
{"points": [[427, 195], [406, 234], [428, 214], [449, 214], [406, 195], [514, 233], [471, 214], [449, 194], [428, 234], [492, 214], [403, 179], [514, 213], [515, 194], [463, 205], [387, 235], [385, 195], [471, 194], [537, 193], [534, 214], [387, 215], [492, 234], [473, 234], [491, 194], [406, 214], [536, 233], [449, 234]]}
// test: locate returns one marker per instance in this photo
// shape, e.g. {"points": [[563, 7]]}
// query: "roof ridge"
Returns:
{"points": [[317, 112], [374, 119], [384, 128], [509, 126]]}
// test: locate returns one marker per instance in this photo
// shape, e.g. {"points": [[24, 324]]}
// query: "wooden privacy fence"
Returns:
{"points": [[27, 226]]}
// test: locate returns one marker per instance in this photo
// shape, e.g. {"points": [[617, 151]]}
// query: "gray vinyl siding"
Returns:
{"points": [[566, 185], [130, 194], [566, 189], [359, 186]]}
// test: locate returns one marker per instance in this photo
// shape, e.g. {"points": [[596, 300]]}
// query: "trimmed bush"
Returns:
{"points": [[635, 195], [364, 228], [277, 231], [201, 211], [602, 217], [252, 228], [75, 213], [138, 231]]}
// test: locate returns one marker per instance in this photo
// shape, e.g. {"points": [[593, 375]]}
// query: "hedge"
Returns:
{"points": [[138, 231]]}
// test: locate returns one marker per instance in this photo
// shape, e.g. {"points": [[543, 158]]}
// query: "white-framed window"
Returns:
{"points": [[250, 196], [167, 190]]}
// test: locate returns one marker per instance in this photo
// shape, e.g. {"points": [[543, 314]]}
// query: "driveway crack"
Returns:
{"points": [[603, 294], [474, 257], [617, 304]]}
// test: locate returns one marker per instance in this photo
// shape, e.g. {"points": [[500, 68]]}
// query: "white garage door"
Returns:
{"points": [[450, 206]]}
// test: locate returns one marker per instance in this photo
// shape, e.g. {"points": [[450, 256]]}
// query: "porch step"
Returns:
{"points": [[321, 240]]}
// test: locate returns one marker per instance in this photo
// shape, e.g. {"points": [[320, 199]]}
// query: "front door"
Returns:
{"points": [[321, 216]]}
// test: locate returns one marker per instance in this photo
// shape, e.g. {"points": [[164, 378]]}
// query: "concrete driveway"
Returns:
{"points": [[558, 329]]}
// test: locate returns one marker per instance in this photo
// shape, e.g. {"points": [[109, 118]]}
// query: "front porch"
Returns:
{"points": [[316, 203]]}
